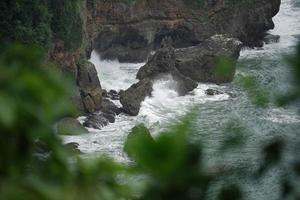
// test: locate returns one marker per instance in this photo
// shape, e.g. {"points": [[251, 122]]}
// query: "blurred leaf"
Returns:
{"points": [[231, 192], [258, 96], [235, 136]]}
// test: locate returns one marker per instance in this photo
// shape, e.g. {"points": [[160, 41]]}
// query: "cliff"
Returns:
{"points": [[129, 31]]}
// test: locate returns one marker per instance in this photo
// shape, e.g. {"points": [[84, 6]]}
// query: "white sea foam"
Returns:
{"points": [[165, 105]]}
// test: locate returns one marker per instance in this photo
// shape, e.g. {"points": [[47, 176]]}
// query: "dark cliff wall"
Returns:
{"points": [[129, 30]]}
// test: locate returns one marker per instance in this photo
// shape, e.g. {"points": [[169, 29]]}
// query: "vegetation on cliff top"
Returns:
{"points": [[40, 22]]}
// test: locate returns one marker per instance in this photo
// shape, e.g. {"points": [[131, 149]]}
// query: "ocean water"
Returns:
{"points": [[214, 113]]}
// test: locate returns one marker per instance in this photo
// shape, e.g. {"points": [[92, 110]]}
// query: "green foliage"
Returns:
{"points": [[25, 21], [66, 22], [34, 164], [224, 68], [40, 21], [293, 95], [258, 96]]}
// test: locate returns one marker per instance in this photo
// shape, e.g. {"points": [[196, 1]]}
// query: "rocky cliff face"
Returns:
{"points": [[129, 31]]}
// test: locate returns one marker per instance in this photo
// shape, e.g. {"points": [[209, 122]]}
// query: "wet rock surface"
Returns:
{"points": [[109, 107], [162, 63], [96, 120], [132, 98], [212, 92], [201, 62], [70, 126], [89, 87]]}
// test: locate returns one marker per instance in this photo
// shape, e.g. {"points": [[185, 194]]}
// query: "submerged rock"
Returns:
{"points": [[132, 98], [200, 62], [212, 92], [96, 120], [70, 126]]}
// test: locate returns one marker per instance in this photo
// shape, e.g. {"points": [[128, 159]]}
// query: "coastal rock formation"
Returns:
{"points": [[163, 62], [130, 31], [202, 62], [96, 120], [132, 98], [89, 87], [70, 126]]}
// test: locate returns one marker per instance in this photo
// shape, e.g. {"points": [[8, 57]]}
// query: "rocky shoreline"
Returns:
{"points": [[190, 40]]}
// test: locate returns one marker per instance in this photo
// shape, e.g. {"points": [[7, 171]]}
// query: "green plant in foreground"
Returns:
{"points": [[35, 166], [33, 163]]}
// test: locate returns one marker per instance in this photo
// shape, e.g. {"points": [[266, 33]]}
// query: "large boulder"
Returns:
{"points": [[70, 126], [109, 107], [203, 63], [163, 62], [132, 98], [89, 86]]}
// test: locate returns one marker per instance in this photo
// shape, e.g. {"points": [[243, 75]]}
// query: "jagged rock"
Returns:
{"points": [[104, 93], [89, 86], [163, 62], [200, 62], [132, 98], [109, 107], [269, 38], [96, 120], [212, 92], [114, 95], [70, 126], [110, 117]]}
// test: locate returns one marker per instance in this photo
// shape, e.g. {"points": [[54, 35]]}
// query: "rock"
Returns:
{"points": [[212, 92], [114, 95], [138, 136], [70, 126], [112, 92], [200, 62], [110, 117], [109, 107], [129, 32], [269, 38], [132, 98], [96, 120], [163, 62], [104, 93], [73, 147], [89, 86]]}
